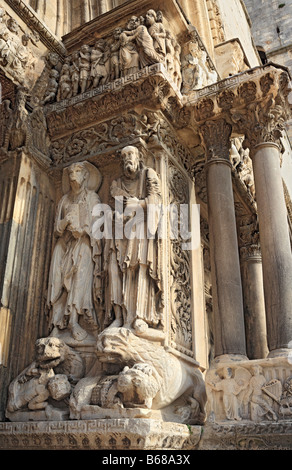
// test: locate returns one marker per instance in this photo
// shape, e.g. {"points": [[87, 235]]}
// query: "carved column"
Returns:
{"points": [[225, 267], [263, 127], [26, 222], [253, 290], [275, 243]]}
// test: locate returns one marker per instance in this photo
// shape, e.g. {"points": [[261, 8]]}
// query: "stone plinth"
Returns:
{"points": [[247, 436], [104, 434]]}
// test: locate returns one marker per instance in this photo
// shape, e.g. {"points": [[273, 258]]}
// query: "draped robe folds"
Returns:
{"points": [[145, 45], [133, 280], [74, 280]]}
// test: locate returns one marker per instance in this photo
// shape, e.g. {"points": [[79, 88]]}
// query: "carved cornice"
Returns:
{"points": [[29, 16], [150, 87], [255, 104]]}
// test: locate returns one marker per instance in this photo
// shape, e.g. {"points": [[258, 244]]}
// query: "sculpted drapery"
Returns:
{"points": [[133, 283], [76, 260]]}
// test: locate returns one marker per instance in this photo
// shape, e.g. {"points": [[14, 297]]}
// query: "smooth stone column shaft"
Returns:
{"points": [[275, 245], [225, 266], [254, 307]]}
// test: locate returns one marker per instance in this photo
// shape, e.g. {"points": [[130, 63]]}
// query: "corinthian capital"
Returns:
{"points": [[263, 116], [261, 122], [215, 136]]}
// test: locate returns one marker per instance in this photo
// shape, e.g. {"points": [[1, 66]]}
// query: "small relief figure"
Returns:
{"points": [[196, 71], [141, 37], [170, 53], [191, 74], [157, 32], [7, 47], [115, 68], [260, 406], [242, 163], [6, 121], [75, 73], [133, 287], [76, 257], [52, 88], [128, 54], [98, 71], [177, 65], [231, 389], [286, 399], [84, 67], [65, 84], [38, 125], [17, 136]]}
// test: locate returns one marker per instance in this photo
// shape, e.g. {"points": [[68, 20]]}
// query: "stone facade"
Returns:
{"points": [[145, 263]]}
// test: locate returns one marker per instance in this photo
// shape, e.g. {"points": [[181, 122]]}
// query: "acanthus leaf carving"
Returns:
{"points": [[215, 136]]}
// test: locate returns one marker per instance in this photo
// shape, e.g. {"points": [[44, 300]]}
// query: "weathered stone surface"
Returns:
{"points": [[145, 256], [104, 434]]}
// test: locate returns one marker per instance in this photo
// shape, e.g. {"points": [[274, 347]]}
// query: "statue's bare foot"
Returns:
{"points": [[78, 333], [118, 323]]}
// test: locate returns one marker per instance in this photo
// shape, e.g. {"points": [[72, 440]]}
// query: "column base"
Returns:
{"points": [[229, 358], [281, 352], [247, 436]]}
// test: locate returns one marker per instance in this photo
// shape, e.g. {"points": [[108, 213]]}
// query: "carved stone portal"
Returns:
{"points": [[105, 297]]}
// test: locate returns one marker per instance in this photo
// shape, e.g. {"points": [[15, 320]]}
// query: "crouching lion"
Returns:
{"points": [[55, 369], [147, 376]]}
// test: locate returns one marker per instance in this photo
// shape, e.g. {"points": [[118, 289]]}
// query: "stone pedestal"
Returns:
{"points": [[103, 434]]}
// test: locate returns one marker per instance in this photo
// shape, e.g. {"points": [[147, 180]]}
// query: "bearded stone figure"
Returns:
{"points": [[133, 283], [76, 260]]}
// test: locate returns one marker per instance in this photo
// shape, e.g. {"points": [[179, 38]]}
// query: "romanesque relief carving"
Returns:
{"points": [[262, 121], [196, 70], [180, 290], [249, 237], [216, 24], [15, 57], [215, 139], [76, 259], [256, 104], [105, 298], [42, 390], [257, 391], [143, 42], [156, 385], [133, 288], [22, 129], [14, 123], [113, 133], [150, 88], [242, 163]]}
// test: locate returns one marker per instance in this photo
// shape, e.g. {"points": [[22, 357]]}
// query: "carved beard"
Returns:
{"points": [[131, 170]]}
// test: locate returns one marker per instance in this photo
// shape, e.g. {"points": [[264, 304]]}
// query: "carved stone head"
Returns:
{"points": [[131, 160]]}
